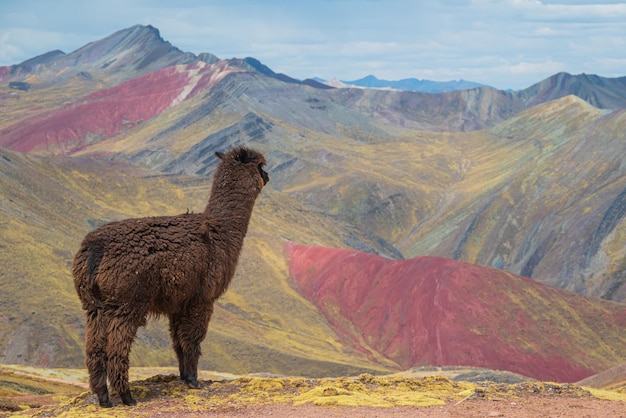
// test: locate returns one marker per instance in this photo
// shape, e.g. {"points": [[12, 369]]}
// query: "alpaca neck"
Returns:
{"points": [[229, 211]]}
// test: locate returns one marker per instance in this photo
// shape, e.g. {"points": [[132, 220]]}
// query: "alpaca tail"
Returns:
{"points": [[94, 258]]}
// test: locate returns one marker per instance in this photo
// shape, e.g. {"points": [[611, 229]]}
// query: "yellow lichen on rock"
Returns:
{"points": [[608, 394], [262, 385], [367, 390], [334, 396]]}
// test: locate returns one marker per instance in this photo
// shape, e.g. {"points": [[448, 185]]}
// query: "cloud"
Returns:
{"points": [[505, 43], [533, 68], [8, 50], [21, 42]]}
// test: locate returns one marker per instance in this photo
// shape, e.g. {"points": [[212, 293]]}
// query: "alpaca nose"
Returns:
{"points": [[265, 177]]}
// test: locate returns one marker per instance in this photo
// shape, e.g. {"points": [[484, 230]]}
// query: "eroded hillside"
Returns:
{"points": [[437, 311]]}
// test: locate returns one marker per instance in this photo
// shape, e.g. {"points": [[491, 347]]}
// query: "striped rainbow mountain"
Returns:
{"points": [[400, 229]]}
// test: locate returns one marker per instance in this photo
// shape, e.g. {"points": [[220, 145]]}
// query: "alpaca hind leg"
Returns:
{"points": [[188, 330], [178, 349], [96, 357], [121, 334]]}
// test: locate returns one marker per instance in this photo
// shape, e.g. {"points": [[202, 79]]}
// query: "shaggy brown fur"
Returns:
{"points": [[168, 265]]}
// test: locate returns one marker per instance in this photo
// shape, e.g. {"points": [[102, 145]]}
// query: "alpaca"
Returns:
{"points": [[168, 265]]}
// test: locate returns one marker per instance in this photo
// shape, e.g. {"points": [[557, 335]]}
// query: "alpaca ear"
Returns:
{"points": [[219, 155]]}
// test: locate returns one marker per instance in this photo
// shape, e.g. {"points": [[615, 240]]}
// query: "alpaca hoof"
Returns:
{"points": [[106, 404], [193, 383], [104, 401], [127, 399]]}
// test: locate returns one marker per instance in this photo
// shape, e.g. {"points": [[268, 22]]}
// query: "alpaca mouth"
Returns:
{"points": [[264, 175]]}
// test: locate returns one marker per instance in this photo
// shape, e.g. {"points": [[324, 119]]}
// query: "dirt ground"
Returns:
{"points": [[521, 407], [524, 407]]}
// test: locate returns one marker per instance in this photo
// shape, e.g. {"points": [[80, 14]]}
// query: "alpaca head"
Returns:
{"points": [[243, 158]]}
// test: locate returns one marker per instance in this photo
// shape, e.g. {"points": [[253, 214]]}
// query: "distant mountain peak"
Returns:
{"points": [[151, 28], [407, 84], [256, 65], [137, 37], [601, 92], [122, 55], [259, 66], [145, 29], [208, 58], [140, 32], [43, 58]]}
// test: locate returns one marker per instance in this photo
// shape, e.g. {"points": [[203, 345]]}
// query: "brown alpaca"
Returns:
{"points": [[168, 265]]}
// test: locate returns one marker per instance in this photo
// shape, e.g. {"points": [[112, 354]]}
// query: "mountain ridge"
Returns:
{"points": [[145, 50], [601, 92], [413, 84], [125, 53]]}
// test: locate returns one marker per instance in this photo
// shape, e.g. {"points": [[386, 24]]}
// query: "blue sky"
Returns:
{"points": [[506, 44]]}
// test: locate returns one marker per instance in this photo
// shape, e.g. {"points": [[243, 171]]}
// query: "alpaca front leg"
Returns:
{"points": [[95, 356], [188, 330], [121, 333]]}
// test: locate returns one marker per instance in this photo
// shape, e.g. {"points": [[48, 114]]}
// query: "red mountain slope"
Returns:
{"points": [[437, 311], [107, 112]]}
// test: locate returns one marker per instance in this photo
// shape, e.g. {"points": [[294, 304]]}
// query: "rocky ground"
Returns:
{"points": [[362, 396]]}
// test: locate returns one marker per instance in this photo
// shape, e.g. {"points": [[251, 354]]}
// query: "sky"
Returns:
{"points": [[507, 44]]}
